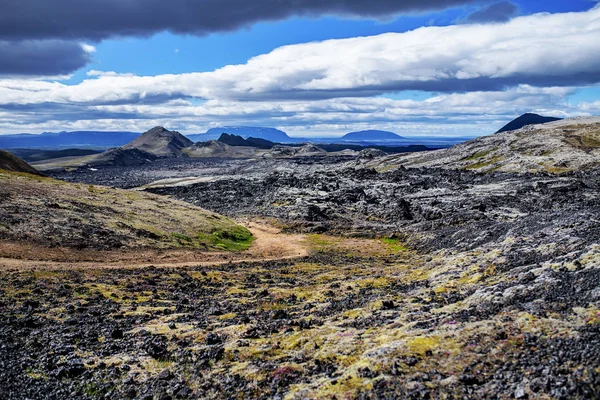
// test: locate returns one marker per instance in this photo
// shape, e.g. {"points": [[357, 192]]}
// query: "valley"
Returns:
{"points": [[367, 275]]}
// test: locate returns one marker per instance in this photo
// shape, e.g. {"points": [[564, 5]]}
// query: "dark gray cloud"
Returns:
{"points": [[497, 12], [101, 19], [41, 57]]}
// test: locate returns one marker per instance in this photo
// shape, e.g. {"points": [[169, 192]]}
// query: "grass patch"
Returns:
{"points": [[394, 245], [480, 154], [233, 238], [484, 164]]}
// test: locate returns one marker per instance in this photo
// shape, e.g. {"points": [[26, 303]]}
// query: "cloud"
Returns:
{"points": [[483, 75], [460, 114], [535, 50], [101, 19], [42, 57], [497, 12]]}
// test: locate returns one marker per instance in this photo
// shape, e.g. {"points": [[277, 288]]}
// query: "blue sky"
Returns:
{"points": [[369, 92], [166, 53]]}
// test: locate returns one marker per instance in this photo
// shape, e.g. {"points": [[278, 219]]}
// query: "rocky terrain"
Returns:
{"points": [[434, 281], [561, 146], [181, 171]]}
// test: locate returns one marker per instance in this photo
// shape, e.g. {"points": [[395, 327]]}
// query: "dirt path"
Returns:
{"points": [[269, 244]]}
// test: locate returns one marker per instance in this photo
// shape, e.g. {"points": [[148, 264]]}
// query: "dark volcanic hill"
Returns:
{"points": [[160, 142], [371, 135], [526, 119], [10, 162], [271, 134], [234, 140], [122, 157]]}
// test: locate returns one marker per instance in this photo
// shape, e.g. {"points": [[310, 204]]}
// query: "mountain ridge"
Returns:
{"points": [[79, 139]]}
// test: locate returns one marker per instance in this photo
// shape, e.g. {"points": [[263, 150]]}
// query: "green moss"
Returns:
{"points": [[394, 245], [480, 154], [182, 239], [483, 164], [229, 238]]}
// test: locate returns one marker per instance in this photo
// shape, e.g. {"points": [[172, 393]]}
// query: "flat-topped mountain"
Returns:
{"points": [[10, 162], [160, 142], [526, 119], [371, 135], [555, 147]]}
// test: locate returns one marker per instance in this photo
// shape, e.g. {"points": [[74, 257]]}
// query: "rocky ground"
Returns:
{"points": [[419, 283], [183, 168], [359, 318], [567, 145]]}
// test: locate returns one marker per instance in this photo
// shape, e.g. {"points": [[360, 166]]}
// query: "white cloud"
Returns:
{"points": [[88, 48], [487, 74], [541, 49], [467, 114]]}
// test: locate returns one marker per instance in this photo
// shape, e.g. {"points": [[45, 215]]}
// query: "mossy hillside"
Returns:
{"points": [[50, 212]]}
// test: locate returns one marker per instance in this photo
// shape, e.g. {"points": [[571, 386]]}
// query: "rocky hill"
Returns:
{"points": [[234, 140], [39, 211], [10, 162], [215, 148], [289, 151], [160, 142], [555, 147], [156, 143], [271, 134], [526, 119]]}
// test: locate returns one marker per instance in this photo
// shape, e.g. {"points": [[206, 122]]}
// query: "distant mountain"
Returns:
{"points": [[10, 162], [371, 135], [271, 134], [36, 155], [526, 119], [160, 142], [234, 140], [78, 139]]}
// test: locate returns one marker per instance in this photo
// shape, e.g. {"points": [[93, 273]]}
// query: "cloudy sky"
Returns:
{"points": [[308, 67]]}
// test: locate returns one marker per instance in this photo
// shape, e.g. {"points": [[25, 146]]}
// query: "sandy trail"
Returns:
{"points": [[269, 244]]}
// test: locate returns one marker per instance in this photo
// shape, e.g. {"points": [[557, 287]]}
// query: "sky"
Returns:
{"points": [[308, 67]]}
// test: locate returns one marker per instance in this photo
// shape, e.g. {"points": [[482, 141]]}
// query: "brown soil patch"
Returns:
{"points": [[269, 244]]}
